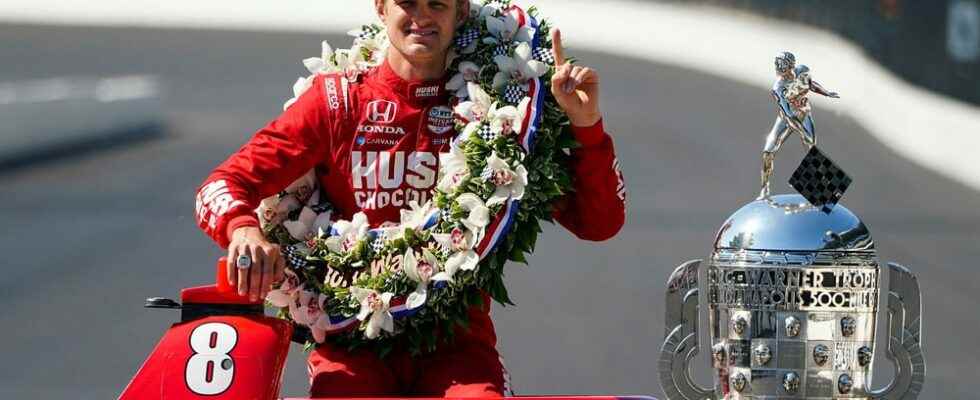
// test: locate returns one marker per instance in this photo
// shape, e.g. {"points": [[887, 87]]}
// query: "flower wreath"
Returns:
{"points": [[415, 280]]}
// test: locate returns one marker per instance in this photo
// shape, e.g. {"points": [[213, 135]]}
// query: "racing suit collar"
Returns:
{"points": [[415, 91]]}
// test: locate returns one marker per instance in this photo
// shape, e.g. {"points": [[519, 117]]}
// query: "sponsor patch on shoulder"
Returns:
{"points": [[440, 119]]}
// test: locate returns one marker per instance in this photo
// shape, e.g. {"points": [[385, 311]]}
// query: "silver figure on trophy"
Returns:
{"points": [[790, 299], [793, 111]]}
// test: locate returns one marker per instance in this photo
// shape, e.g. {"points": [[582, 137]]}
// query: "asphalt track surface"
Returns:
{"points": [[86, 238]]}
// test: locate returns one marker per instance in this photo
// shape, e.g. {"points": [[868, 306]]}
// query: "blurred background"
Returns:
{"points": [[114, 111]]}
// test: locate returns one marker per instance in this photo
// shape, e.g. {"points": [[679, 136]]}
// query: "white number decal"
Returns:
{"points": [[210, 369]]}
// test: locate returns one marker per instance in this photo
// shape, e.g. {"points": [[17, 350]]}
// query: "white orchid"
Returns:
{"points": [[477, 214], [308, 309], [470, 129], [349, 233], [321, 325], [307, 223], [349, 61], [413, 218], [273, 209], [477, 9], [375, 47], [376, 306], [324, 64], [287, 292], [422, 271], [300, 87], [476, 108], [510, 183], [459, 242], [508, 120], [506, 27], [521, 68], [468, 72], [305, 309], [452, 167], [268, 212]]}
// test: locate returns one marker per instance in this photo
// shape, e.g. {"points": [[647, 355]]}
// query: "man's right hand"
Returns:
{"points": [[267, 263]]}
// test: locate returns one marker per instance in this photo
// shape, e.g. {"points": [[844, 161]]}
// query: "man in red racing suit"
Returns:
{"points": [[374, 142]]}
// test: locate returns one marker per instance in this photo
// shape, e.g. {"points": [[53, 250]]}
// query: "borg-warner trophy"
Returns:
{"points": [[790, 291]]}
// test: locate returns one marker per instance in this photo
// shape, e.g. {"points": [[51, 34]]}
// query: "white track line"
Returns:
{"points": [[933, 130]]}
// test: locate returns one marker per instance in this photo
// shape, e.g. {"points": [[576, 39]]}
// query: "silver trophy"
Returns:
{"points": [[793, 113], [790, 296]]}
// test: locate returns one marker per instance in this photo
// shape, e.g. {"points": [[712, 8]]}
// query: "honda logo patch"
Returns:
{"points": [[382, 111]]}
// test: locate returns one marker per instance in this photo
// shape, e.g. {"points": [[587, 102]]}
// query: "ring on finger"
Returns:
{"points": [[244, 261]]}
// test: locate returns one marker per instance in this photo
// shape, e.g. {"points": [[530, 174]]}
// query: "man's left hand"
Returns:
{"points": [[576, 88]]}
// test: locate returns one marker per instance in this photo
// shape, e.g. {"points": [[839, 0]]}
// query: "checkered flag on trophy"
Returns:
{"points": [[820, 180]]}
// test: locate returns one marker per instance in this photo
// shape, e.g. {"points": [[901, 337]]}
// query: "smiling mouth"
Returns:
{"points": [[421, 32]]}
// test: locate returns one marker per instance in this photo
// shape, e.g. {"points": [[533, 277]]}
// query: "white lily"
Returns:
{"points": [[300, 87], [477, 214], [508, 120], [521, 68], [468, 72], [452, 167], [506, 28], [460, 243], [323, 64], [510, 183], [287, 291], [422, 271], [376, 306], [476, 108], [349, 233]]}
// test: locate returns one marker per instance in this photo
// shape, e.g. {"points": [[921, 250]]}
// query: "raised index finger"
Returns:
{"points": [[556, 46]]}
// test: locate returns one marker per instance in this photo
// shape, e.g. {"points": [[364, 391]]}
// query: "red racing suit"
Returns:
{"points": [[374, 142]]}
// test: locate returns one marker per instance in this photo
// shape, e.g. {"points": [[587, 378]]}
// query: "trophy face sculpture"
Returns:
{"points": [[790, 293]]}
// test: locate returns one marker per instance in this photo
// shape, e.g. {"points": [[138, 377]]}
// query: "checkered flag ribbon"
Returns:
{"points": [[501, 50], [514, 93], [367, 32], [819, 180], [378, 244], [295, 258], [486, 133], [544, 55], [467, 38], [487, 174]]}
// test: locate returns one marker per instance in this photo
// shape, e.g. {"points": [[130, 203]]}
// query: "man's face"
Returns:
{"points": [[421, 29]]}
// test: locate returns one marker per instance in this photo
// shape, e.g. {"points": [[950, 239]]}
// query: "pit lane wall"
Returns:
{"points": [[934, 44]]}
